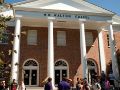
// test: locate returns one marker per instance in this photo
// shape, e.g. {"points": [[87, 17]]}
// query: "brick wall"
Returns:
{"points": [[70, 52]]}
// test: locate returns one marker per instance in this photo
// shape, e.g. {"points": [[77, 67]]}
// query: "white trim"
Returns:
{"points": [[31, 68], [74, 3]]}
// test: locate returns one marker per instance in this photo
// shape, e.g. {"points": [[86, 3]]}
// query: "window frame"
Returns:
{"points": [[90, 34], [29, 34], [61, 38]]}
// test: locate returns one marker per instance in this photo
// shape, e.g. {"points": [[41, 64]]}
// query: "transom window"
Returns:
{"points": [[90, 63], [30, 63], [60, 63]]}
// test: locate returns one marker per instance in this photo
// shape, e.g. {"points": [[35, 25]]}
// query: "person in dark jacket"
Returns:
{"points": [[48, 85], [64, 85]]}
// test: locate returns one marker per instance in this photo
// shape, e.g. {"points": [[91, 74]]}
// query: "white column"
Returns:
{"points": [[101, 51], [16, 50], [50, 63], [113, 52], [83, 49]]}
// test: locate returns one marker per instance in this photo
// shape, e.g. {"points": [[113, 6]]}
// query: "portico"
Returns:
{"points": [[51, 19]]}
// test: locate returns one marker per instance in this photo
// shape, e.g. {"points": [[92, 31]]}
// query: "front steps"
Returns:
{"points": [[36, 88]]}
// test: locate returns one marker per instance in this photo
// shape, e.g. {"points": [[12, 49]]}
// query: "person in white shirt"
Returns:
{"points": [[96, 85], [21, 86]]}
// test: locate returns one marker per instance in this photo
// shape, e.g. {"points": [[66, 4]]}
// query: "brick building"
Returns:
{"points": [[60, 38]]}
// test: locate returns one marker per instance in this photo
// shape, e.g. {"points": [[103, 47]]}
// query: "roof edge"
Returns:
{"points": [[99, 7], [52, 10], [23, 2]]}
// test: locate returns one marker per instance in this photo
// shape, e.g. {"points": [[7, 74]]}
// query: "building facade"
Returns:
{"points": [[59, 39]]}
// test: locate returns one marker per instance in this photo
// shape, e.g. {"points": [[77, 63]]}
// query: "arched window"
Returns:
{"points": [[31, 72], [30, 63], [60, 63], [61, 70], [90, 63], [92, 70]]}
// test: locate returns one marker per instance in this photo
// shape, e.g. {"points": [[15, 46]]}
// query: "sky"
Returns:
{"points": [[112, 5]]}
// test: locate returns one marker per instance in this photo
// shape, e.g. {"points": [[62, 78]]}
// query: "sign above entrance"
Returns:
{"points": [[62, 15], [75, 16]]}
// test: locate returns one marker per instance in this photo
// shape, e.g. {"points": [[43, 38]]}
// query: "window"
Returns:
{"points": [[114, 42], [30, 63], [4, 36], [32, 37], [108, 40], [61, 38], [60, 63], [89, 38]]}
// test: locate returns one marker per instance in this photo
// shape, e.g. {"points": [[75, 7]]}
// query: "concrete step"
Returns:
{"points": [[36, 88]]}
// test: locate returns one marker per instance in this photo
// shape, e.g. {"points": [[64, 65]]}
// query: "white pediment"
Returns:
{"points": [[66, 5], [61, 6]]}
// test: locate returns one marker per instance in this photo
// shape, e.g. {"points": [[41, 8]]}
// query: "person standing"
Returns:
{"points": [[48, 84], [96, 85], [21, 86], [85, 85], [107, 84], [1, 85], [14, 85], [64, 85], [78, 84], [102, 80]]}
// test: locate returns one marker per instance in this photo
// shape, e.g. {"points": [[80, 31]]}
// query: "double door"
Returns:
{"points": [[30, 77], [59, 74]]}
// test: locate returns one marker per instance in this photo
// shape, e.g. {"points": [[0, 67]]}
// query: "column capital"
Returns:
{"points": [[82, 20], [99, 29], [51, 18], [110, 22], [18, 16]]}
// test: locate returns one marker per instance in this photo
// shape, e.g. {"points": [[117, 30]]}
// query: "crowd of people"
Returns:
{"points": [[12, 86], [66, 84], [81, 84], [97, 83]]}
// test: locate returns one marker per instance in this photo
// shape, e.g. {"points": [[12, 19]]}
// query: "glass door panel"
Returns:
{"points": [[64, 73], [26, 77], [33, 77], [57, 76]]}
